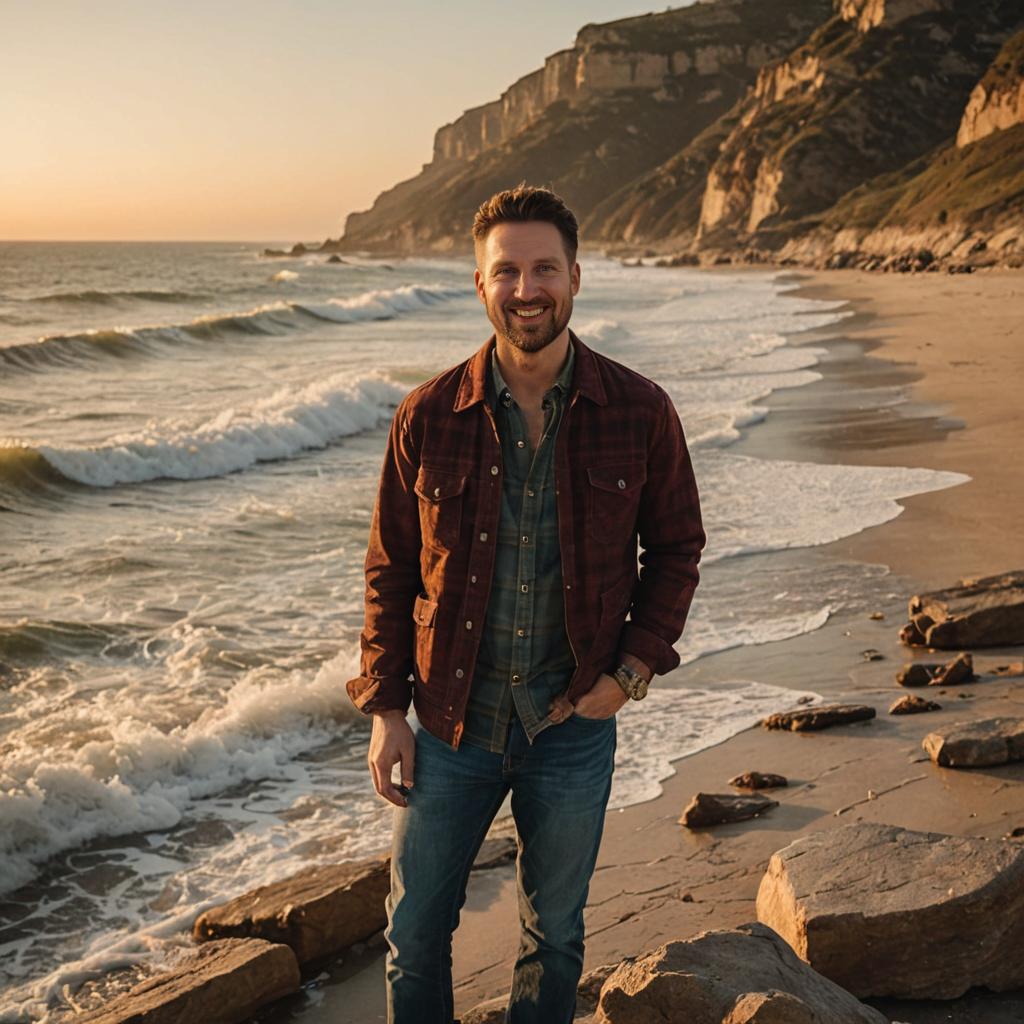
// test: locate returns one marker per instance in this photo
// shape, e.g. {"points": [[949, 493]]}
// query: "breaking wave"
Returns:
{"points": [[273, 319]]}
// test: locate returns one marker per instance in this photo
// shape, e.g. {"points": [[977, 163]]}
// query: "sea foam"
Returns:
{"points": [[291, 421]]}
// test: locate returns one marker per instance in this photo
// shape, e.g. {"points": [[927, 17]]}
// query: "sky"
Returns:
{"points": [[266, 120]]}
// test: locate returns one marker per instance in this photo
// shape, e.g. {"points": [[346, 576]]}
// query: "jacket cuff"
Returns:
{"points": [[383, 693], [649, 648]]}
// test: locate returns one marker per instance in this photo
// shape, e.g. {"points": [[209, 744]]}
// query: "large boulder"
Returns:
{"points": [[222, 982], [987, 612], [884, 911], [317, 912], [980, 744], [746, 975]]}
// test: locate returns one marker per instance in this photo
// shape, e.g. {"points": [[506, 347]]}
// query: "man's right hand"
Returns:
{"points": [[391, 742]]}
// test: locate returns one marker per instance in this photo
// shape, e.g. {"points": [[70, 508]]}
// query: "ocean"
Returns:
{"points": [[190, 439]]}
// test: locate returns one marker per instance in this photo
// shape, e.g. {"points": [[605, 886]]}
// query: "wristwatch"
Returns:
{"points": [[634, 686]]}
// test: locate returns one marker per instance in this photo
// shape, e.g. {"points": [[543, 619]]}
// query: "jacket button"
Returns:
{"points": [[483, 536], [622, 484], [515, 679], [437, 492], [494, 470], [459, 673], [472, 579], [568, 586], [469, 623]]}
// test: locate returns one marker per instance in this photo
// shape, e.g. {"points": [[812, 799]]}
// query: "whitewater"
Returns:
{"points": [[190, 439]]}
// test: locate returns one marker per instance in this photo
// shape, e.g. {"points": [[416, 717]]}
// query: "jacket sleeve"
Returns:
{"points": [[392, 579], [671, 540]]}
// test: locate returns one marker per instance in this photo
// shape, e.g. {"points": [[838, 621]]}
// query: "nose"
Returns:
{"points": [[525, 288]]}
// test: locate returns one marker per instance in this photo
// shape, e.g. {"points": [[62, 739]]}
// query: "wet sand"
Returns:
{"points": [[953, 346]]}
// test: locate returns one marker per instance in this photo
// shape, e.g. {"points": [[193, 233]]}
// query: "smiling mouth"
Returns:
{"points": [[529, 312]]}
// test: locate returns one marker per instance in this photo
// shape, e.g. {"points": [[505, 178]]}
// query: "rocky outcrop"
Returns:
{"points": [[720, 808], [223, 982], [739, 976], [985, 612], [884, 911], [847, 106], [316, 913], [869, 14], [821, 717], [982, 744], [997, 101]]}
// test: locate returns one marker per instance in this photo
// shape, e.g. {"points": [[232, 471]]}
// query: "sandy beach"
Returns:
{"points": [[953, 346]]}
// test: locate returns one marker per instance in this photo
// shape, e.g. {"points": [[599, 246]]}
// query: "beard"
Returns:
{"points": [[526, 335]]}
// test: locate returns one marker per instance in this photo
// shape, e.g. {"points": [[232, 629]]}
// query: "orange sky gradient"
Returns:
{"points": [[243, 120]]}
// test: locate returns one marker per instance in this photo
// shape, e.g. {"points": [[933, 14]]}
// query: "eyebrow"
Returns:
{"points": [[509, 262]]}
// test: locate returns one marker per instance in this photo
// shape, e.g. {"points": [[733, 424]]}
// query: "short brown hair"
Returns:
{"points": [[528, 203]]}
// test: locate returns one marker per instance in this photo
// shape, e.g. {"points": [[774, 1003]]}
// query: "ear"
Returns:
{"points": [[478, 283], [574, 278]]}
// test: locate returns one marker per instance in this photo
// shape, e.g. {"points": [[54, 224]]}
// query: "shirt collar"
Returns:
{"points": [[582, 371], [498, 387]]}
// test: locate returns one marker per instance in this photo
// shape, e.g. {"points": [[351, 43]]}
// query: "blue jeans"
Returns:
{"points": [[560, 786]]}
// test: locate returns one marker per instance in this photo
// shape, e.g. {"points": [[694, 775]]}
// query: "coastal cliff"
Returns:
{"points": [[623, 99], [800, 131]]}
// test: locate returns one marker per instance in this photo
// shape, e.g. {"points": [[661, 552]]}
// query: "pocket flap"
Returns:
{"points": [[438, 484], [621, 479], [424, 611]]}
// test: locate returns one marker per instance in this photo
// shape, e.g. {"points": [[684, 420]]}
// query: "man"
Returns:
{"points": [[501, 567]]}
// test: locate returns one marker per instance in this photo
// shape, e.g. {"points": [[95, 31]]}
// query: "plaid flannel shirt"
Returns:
{"points": [[622, 474]]}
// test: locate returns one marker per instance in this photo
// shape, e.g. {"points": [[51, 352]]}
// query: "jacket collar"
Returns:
{"points": [[473, 386]]}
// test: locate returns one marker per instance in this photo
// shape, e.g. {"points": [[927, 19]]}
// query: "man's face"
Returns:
{"points": [[524, 280]]}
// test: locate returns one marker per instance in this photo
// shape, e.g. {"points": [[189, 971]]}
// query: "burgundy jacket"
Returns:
{"points": [[622, 472]]}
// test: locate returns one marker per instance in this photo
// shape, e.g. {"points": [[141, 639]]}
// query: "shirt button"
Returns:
{"points": [[525, 589], [494, 470], [622, 484], [520, 632], [520, 444], [516, 678], [469, 623], [459, 673], [472, 579], [526, 540], [530, 493], [483, 536]]}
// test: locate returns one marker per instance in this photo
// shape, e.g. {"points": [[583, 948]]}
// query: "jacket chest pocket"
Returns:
{"points": [[440, 496], [613, 500]]}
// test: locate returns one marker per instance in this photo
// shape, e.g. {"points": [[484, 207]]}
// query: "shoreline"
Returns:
{"points": [[656, 881]]}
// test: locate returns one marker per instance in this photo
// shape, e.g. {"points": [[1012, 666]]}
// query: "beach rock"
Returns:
{"points": [[986, 612], [820, 717], [953, 673], [316, 912], [222, 982], [735, 976], [884, 911], [335, 258], [721, 808], [758, 780], [981, 744], [872, 655], [495, 852], [911, 704], [916, 673], [877, 616]]}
